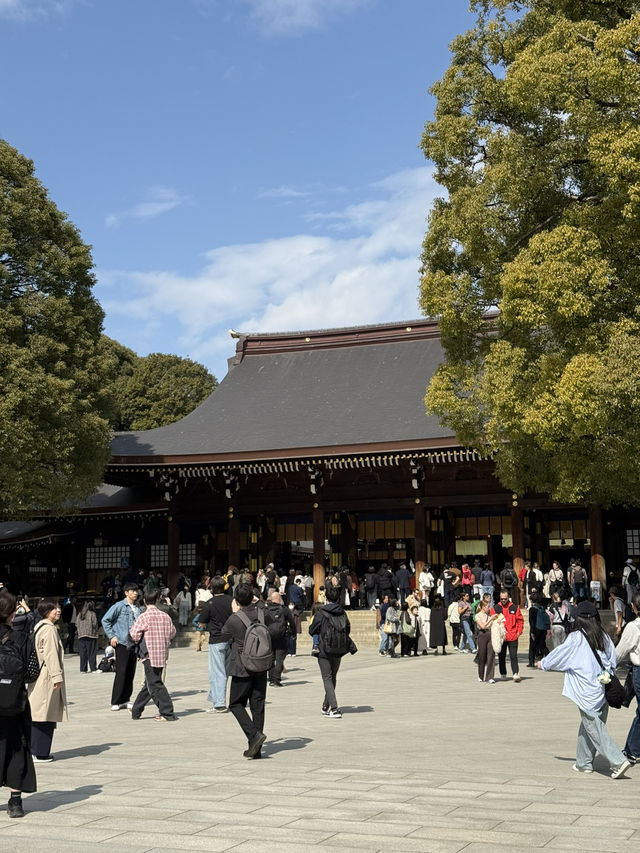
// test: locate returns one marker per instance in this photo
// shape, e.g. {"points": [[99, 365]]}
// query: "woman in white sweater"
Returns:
{"points": [[630, 645]]}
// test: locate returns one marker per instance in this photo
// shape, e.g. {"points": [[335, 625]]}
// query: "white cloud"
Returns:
{"points": [[284, 192], [291, 17], [27, 10], [365, 273], [160, 200]]}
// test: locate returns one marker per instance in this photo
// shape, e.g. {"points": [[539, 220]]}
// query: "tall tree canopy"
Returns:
{"points": [[536, 139], [54, 436], [161, 389]]}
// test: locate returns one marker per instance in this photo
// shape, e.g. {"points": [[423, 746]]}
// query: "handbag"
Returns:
{"points": [[614, 692], [408, 629], [388, 628], [33, 667]]}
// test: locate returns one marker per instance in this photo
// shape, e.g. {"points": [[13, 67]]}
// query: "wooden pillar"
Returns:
{"points": [[318, 550], [420, 541], [233, 543], [517, 544], [598, 565], [336, 541], [173, 553]]}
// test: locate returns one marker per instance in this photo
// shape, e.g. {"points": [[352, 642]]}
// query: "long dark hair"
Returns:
{"points": [[593, 633]]}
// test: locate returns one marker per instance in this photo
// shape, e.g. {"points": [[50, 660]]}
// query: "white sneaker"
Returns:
{"points": [[581, 769], [116, 707], [516, 678], [618, 772], [128, 706]]}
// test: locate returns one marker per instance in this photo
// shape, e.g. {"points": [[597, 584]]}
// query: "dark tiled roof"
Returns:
{"points": [[325, 389]]}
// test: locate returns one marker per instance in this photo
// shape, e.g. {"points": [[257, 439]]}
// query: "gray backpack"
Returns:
{"points": [[257, 652]]}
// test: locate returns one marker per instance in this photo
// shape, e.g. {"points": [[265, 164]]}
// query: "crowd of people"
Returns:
{"points": [[252, 624]]}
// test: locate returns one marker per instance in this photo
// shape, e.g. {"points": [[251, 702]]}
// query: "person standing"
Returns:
{"points": [[509, 581], [87, 628], [370, 587], [403, 578], [488, 582], [556, 579], [578, 580], [331, 625], [426, 583], [583, 657], [153, 630], [69, 617], [465, 616], [281, 626], [618, 607], [183, 603], [16, 764], [630, 645], [47, 695], [116, 623], [514, 626], [453, 615], [630, 579], [486, 654], [437, 626], [247, 686], [213, 616]]}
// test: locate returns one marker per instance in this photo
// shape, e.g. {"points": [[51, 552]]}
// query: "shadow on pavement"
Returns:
{"points": [[180, 693], [47, 800], [80, 751], [284, 744], [356, 709]]}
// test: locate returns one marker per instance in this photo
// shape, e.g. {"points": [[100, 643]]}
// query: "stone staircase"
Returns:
{"points": [[363, 632]]}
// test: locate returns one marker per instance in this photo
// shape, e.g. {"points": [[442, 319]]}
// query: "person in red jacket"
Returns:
{"points": [[514, 624]]}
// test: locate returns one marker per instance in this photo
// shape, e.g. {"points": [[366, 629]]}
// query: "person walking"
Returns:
{"points": [[465, 616], [47, 695], [153, 630], [116, 623], [281, 626], [247, 686], [583, 657], [183, 603], [630, 645], [213, 616], [16, 764], [514, 626], [87, 632], [331, 625]]}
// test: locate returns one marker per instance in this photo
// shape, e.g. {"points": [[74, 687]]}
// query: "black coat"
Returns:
{"points": [[437, 630]]}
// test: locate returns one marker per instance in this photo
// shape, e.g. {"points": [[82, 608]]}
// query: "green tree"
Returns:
{"points": [[162, 389], [536, 140], [121, 362], [54, 437]]}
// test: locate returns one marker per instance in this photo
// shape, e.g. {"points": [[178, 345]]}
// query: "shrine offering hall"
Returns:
{"points": [[315, 451]]}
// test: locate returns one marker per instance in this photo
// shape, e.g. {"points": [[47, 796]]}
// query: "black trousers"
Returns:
{"points": [[152, 690], [41, 737], [71, 635], [252, 690], [329, 667], [125, 673], [87, 651], [512, 645], [275, 673]]}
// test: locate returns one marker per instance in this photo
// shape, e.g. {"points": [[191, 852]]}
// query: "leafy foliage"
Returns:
{"points": [[536, 140], [54, 436], [161, 389]]}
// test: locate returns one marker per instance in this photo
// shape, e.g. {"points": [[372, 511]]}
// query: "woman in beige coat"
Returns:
{"points": [[47, 695]]}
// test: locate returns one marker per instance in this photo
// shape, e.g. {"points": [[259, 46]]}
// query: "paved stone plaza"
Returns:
{"points": [[424, 759]]}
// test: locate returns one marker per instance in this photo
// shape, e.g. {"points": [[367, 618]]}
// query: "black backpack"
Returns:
{"points": [[278, 625], [334, 633], [510, 578], [257, 652], [13, 693], [632, 578]]}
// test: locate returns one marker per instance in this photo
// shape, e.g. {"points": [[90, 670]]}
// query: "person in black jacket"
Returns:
{"points": [[281, 619], [246, 687], [16, 763], [329, 662]]}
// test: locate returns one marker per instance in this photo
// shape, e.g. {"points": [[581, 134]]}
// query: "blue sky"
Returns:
{"points": [[246, 164]]}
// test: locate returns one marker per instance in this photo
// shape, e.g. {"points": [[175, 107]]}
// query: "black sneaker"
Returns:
{"points": [[325, 712], [255, 745], [14, 807]]}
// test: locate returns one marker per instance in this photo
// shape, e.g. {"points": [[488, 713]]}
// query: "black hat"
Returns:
{"points": [[586, 610]]}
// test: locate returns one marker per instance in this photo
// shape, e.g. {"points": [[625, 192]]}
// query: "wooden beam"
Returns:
{"points": [[318, 550]]}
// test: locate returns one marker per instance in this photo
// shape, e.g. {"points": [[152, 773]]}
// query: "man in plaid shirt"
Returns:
{"points": [[154, 630]]}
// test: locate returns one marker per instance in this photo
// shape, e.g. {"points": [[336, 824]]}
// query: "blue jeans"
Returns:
{"points": [[467, 635], [579, 590], [488, 590], [385, 641], [218, 666], [593, 736], [632, 746]]}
